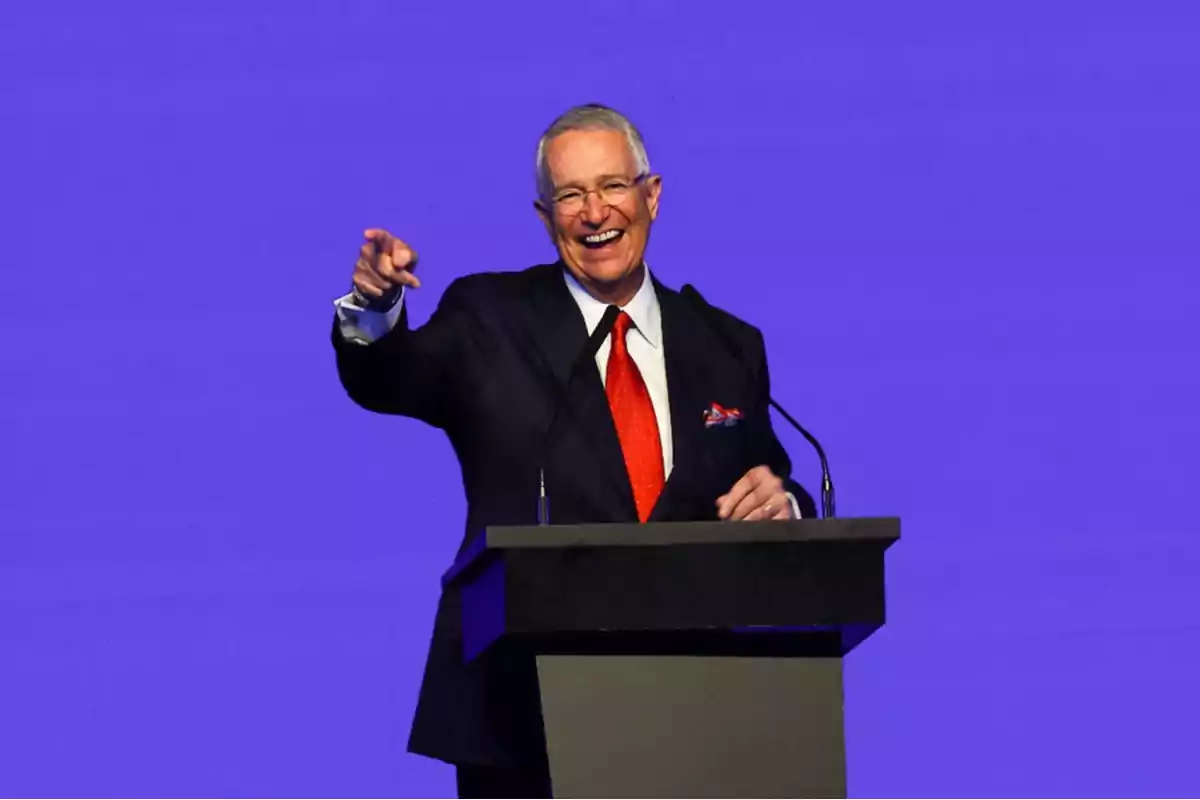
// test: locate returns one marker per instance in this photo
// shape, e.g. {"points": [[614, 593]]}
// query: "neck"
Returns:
{"points": [[617, 293]]}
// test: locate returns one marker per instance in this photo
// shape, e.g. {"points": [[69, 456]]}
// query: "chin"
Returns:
{"points": [[607, 270]]}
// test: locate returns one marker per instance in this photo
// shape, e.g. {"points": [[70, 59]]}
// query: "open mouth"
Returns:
{"points": [[596, 241]]}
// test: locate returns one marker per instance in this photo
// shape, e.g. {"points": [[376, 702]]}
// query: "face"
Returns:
{"points": [[599, 213]]}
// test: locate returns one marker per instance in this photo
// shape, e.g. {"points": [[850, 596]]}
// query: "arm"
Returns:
{"points": [[767, 490], [387, 368]]}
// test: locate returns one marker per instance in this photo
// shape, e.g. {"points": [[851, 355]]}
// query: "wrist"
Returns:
{"points": [[383, 303]]}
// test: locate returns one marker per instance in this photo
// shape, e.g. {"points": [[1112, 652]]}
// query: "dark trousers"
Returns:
{"points": [[476, 781]]}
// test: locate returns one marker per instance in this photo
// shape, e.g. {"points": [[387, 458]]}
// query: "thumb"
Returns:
{"points": [[403, 256]]}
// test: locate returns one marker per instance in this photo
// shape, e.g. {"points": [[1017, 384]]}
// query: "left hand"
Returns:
{"points": [[759, 495]]}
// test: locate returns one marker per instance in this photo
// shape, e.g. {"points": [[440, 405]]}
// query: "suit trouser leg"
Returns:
{"points": [[478, 781]]}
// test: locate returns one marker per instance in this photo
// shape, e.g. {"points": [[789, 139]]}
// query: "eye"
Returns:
{"points": [[568, 196], [616, 186]]}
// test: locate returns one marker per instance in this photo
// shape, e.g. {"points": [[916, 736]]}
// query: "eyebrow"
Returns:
{"points": [[606, 177]]}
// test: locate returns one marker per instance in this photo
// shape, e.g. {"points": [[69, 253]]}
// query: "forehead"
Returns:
{"points": [[582, 156]]}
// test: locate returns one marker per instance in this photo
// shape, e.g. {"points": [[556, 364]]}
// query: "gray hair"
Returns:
{"points": [[590, 117]]}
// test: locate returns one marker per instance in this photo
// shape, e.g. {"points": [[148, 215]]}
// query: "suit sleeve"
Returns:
{"points": [[418, 373], [770, 449]]}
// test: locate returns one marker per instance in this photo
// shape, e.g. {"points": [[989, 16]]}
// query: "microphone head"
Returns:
{"points": [[609, 319], [607, 322]]}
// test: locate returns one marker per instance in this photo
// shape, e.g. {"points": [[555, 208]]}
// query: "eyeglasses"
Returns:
{"points": [[612, 192]]}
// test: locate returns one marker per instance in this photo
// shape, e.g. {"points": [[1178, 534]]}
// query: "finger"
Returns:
{"points": [[405, 278], [760, 514], [777, 507], [748, 483], [727, 502], [363, 271], [403, 256], [752, 502], [362, 267], [382, 266], [767, 487], [392, 275], [367, 285], [378, 237]]}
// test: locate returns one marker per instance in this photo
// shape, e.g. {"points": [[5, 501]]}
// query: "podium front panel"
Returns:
{"points": [[667, 726]]}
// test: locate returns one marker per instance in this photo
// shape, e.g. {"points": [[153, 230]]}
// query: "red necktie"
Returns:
{"points": [[637, 427]]}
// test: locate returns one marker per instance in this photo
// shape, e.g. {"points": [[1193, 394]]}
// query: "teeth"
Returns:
{"points": [[600, 238]]}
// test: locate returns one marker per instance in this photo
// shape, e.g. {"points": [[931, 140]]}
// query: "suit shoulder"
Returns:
{"points": [[729, 323], [736, 324]]}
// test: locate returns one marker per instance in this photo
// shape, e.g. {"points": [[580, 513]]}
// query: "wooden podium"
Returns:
{"points": [[699, 659]]}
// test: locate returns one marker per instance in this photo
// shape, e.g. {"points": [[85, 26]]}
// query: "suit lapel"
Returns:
{"points": [[560, 335], [684, 342]]}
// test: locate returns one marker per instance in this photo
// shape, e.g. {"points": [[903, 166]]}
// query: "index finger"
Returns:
{"points": [[378, 237]]}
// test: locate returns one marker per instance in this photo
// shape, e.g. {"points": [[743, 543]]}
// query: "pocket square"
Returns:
{"points": [[725, 417]]}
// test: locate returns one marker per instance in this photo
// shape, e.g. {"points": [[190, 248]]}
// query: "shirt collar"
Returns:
{"points": [[643, 309]]}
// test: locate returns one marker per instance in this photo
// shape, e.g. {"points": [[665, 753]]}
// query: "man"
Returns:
{"points": [[632, 438]]}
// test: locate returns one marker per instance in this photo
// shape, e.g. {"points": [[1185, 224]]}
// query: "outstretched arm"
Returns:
{"points": [[384, 366]]}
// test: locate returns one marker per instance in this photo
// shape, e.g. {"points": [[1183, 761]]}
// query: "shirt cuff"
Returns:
{"points": [[362, 325], [795, 506]]}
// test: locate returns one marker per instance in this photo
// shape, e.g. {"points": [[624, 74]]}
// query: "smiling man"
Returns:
{"points": [[667, 424], [598, 200]]}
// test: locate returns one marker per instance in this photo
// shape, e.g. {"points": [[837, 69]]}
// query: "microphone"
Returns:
{"points": [[587, 354], [717, 325]]}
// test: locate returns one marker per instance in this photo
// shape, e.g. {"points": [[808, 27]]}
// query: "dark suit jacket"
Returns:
{"points": [[483, 370]]}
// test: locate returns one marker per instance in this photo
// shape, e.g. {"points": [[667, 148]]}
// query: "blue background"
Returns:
{"points": [[969, 235]]}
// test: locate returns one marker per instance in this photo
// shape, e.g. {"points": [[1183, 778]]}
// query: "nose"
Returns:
{"points": [[595, 212]]}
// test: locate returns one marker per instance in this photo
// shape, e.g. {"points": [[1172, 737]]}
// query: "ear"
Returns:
{"points": [[653, 193], [544, 213]]}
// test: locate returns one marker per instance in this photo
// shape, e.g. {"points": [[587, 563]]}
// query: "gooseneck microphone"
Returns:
{"points": [[585, 355], [718, 326]]}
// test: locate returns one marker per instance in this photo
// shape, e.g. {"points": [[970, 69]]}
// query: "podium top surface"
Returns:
{"points": [[493, 540]]}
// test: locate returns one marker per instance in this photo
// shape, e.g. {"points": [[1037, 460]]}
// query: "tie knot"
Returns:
{"points": [[622, 325]]}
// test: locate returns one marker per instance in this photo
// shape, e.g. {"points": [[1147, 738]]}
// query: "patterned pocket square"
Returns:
{"points": [[718, 416]]}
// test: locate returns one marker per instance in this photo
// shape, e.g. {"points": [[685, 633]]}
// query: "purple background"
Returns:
{"points": [[969, 235]]}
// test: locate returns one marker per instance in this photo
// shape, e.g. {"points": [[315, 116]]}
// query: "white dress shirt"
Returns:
{"points": [[644, 341]]}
